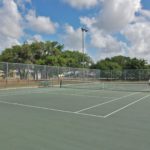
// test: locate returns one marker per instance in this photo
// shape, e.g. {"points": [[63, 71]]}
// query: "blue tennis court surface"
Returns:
{"points": [[74, 119]]}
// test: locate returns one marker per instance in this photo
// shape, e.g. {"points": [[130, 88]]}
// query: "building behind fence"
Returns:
{"points": [[16, 74]]}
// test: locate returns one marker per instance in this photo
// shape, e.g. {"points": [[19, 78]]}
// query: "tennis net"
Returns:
{"points": [[107, 85]]}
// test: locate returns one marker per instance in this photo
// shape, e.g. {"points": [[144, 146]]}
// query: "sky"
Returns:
{"points": [[115, 27]]}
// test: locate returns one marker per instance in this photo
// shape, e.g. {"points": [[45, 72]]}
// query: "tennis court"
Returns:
{"points": [[74, 119]]}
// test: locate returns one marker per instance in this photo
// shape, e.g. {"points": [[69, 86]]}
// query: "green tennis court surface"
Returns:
{"points": [[74, 119]]}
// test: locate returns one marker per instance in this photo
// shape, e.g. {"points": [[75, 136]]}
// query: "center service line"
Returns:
{"points": [[100, 104], [51, 109], [125, 106]]}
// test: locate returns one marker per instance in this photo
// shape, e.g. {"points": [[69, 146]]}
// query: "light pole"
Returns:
{"points": [[83, 29]]}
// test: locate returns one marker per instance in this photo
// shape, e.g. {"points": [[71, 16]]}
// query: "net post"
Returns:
{"points": [[6, 73], [60, 83]]}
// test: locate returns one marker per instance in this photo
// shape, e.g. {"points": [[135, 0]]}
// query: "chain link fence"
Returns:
{"points": [[21, 75], [140, 75]]}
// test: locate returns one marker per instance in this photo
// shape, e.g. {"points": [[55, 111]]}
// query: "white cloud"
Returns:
{"points": [[145, 13], [7, 42], [120, 16], [10, 25], [87, 21], [35, 38], [138, 35], [107, 45], [72, 38], [13, 23], [40, 24], [116, 14], [79, 4], [101, 43], [21, 3]]}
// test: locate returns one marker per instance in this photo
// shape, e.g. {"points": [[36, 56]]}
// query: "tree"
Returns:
{"points": [[136, 64], [107, 65], [75, 59], [120, 62], [53, 48], [48, 53]]}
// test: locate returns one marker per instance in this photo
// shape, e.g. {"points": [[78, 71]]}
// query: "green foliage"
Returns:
{"points": [[75, 59], [48, 53], [136, 64], [120, 62], [52, 53], [106, 65]]}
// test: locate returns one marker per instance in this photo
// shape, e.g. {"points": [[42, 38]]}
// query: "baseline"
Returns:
{"points": [[38, 91], [49, 92]]}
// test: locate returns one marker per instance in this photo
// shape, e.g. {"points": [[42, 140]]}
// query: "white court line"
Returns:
{"points": [[79, 95], [91, 115], [38, 91], [89, 91], [125, 106], [24, 93], [94, 91], [29, 88], [47, 92], [100, 104], [51, 109], [6, 89]]}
